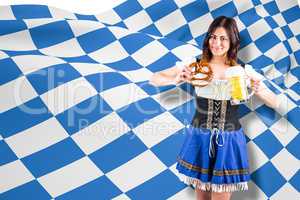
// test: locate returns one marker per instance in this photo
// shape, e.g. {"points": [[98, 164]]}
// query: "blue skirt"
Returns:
{"points": [[214, 160]]}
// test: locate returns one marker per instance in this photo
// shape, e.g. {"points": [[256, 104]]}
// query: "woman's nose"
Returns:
{"points": [[217, 41]]}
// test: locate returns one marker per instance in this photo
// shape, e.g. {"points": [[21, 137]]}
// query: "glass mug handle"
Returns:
{"points": [[248, 82]]}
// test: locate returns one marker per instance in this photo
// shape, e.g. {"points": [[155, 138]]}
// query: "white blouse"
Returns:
{"points": [[219, 89]]}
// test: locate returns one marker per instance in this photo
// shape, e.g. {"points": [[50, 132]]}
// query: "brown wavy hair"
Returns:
{"points": [[229, 24]]}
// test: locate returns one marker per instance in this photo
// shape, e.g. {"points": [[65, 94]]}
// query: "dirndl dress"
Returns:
{"points": [[213, 156]]}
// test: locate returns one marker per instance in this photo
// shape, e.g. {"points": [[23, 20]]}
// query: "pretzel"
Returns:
{"points": [[203, 68]]}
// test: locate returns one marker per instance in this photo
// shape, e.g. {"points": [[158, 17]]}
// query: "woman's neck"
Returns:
{"points": [[221, 60]]}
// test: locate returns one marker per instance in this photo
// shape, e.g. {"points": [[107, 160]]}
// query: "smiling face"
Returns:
{"points": [[219, 42]]}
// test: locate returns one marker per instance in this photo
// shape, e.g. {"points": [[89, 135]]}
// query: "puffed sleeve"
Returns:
{"points": [[251, 72]]}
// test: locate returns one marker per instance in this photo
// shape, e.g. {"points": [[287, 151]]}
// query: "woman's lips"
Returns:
{"points": [[217, 49]]}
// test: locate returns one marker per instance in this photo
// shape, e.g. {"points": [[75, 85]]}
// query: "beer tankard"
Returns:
{"points": [[239, 84]]}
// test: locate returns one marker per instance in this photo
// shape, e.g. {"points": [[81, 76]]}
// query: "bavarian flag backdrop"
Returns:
{"points": [[79, 119]]}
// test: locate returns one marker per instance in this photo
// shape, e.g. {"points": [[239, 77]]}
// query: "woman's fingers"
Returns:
{"points": [[189, 69], [185, 76], [255, 85], [187, 72], [189, 75]]}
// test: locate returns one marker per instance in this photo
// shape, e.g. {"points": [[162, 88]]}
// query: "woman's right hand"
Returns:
{"points": [[184, 74]]}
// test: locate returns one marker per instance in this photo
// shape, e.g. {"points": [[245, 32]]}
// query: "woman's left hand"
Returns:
{"points": [[255, 84]]}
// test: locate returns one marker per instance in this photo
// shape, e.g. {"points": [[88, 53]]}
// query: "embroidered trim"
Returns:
{"points": [[210, 110], [208, 186], [223, 115], [216, 111], [216, 114], [214, 172]]}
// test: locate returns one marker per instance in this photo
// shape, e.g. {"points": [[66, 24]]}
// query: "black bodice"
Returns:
{"points": [[211, 113]]}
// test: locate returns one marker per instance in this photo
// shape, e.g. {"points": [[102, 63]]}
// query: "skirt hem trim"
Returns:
{"points": [[208, 186]]}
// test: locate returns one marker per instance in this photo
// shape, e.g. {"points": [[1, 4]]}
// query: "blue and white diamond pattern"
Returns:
{"points": [[79, 120]]}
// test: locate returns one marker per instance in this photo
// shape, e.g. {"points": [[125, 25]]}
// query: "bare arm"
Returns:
{"points": [[171, 76], [165, 77], [268, 97], [261, 90]]}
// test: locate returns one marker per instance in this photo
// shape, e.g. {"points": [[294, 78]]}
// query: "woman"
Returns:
{"points": [[213, 157]]}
